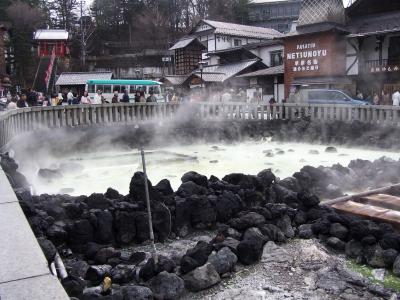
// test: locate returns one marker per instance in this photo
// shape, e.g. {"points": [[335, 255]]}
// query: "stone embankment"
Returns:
{"points": [[251, 215]]}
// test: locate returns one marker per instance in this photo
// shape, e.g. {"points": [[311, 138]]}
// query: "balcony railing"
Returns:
{"points": [[382, 66]]}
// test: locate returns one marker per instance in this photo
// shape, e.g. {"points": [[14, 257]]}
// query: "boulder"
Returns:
{"points": [[273, 233], [253, 233], [196, 256], [331, 149], [248, 220], [201, 278], [91, 250], [73, 285], [339, 231], [137, 190], [104, 254], [308, 200], [229, 242], [148, 270], [125, 226], [336, 243], [167, 286], [203, 214], [322, 226], [285, 224], [164, 187], [48, 249], [224, 260], [122, 274], [244, 181], [77, 268], [353, 249], [195, 177], [389, 256], [112, 194], [102, 222], [305, 231], [266, 177], [190, 188], [136, 292], [249, 251], [390, 240], [57, 233], [227, 205], [98, 201], [374, 256], [97, 273], [396, 266], [81, 232]]}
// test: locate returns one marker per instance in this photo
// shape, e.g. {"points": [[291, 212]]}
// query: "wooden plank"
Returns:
{"points": [[381, 200]]}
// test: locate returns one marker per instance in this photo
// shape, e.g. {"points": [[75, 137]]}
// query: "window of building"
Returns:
{"points": [[237, 42], [276, 58]]}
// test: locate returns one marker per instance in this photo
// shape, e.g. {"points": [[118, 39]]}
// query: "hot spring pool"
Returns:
{"points": [[87, 173]]}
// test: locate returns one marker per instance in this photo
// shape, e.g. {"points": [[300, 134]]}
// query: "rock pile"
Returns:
{"points": [[251, 214]]}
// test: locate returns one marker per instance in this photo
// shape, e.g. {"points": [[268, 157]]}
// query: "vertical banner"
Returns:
{"points": [[50, 67]]}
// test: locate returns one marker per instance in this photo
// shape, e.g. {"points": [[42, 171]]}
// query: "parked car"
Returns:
{"points": [[322, 96]]}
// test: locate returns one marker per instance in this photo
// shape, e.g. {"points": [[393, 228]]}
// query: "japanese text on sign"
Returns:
{"points": [[307, 60]]}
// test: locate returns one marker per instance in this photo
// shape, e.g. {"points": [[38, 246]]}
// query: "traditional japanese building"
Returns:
{"points": [[212, 36], [49, 39], [351, 49]]}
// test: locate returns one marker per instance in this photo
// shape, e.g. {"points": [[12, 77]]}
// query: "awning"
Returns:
{"points": [[322, 80]]}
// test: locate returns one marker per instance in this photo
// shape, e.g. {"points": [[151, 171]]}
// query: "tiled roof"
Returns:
{"points": [[176, 80], [81, 78], [373, 24], [233, 29], [220, 73], [184, 42], [51, 34], [265, 72]]}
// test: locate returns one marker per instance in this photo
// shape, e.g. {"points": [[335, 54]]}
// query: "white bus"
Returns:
{"points": [[108, 87]]}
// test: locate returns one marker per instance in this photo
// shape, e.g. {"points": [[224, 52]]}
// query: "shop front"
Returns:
{"points": [[316, 60]]}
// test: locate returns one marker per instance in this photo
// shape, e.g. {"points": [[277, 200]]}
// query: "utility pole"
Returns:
{"points": [[83, 46]]}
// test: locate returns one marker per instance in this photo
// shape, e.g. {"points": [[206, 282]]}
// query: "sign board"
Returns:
{"points": [[307, 57], [166, 59], [385, 69]]}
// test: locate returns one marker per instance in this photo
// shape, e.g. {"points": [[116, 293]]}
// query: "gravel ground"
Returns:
{"points": [[299, 269]]}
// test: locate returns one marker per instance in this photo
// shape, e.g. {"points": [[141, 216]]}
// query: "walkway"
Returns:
{"points": [[24, 272]]}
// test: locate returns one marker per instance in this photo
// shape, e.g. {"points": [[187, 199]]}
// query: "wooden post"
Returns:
{"points": [[146, 188]]}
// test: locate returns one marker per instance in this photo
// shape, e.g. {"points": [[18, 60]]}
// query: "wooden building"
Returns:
{"points": [[188, 54], [49, 39]]}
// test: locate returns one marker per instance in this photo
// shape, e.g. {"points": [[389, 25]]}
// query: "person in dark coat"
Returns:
{"points": [[125, 97]]}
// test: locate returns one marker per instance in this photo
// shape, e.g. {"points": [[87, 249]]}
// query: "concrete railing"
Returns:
{"points": [[15, 122]]}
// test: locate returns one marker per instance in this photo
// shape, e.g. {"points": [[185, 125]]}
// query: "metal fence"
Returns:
{"points": [[15, 122]]}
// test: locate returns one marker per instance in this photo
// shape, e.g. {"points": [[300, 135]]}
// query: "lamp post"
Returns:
{"points": [[201, 67]]}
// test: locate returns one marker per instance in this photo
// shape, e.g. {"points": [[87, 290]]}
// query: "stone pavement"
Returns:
{"points": [[24, 272]]}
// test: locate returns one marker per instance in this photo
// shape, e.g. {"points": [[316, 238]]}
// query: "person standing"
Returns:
{"points": [[376, 100], [98, 98], [115, 98], [85, 99], [396, 98], [125, 97], [32, 98], [151, 98], [70, 97], [12, 104], [21, 103]]}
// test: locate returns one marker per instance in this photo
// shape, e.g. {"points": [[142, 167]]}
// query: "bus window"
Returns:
{"points": [[123, 88], [155, 89], [107, 89], [99, 87], [117, 88], [91, 88], [132, 89]]}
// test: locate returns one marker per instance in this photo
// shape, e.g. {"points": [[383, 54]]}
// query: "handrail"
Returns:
{"points": [[15, 122]]}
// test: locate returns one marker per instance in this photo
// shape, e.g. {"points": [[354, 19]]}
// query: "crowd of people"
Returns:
{"points": [[31, 98], [382, 98]]}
